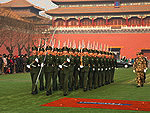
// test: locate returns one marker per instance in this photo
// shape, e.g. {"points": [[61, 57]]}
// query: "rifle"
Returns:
{"points": [[40, 71]]}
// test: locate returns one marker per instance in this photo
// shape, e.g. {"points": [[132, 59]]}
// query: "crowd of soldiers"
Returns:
{"points": [[140, 67], [69, 69], [13, 64]]}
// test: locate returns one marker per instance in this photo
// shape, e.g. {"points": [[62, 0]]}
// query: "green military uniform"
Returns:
{"points": [[41, 58], [109, 69], [85, 70], [103, 67], [48, 70], [71, 70], [60, 70], [91, 70], [100, 76], [76, 70], [33, 65], [96, 73], [106, 70], [56, 71], [114, 65], [65, 71]]}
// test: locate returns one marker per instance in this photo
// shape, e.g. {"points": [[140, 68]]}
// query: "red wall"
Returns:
{"points": [[131, 43]]}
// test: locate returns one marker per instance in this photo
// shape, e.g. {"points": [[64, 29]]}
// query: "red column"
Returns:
{"points": [[107, 21], [65, 22], [79, 22], [127, 22], [53, 22], [92, 21], [141, 21]]}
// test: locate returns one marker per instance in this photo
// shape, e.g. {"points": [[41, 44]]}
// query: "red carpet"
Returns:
{"points": [[101, 103]]}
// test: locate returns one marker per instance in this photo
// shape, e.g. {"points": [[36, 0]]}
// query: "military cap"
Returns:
{"points": [[55, 49], [90, 51], [71, 49], [41, 49], [48, 48], [85, 50], [76, 50], [101, 52], [34, 48], [107, 53], [21, 56], [97, 51], [113, 53], [141, 53], [65, 49], [25, 55], [60, 50], [138, 53]]}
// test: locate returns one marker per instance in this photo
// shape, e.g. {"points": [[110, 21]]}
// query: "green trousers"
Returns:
{"points": [[33, 78], [48, 80], [66, 78]]}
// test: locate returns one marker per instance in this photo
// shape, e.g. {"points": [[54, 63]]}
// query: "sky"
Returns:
{"points": [[46, 4]]}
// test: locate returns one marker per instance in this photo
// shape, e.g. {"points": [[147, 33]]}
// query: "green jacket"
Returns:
{"points": [[33, 64], [49, 63]]}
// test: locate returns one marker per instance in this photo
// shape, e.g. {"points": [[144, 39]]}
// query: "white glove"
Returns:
{"points": [[42, 65], [109, 68], [38, 65], [36, 60], [93, 69], [81, 66], [133, 71], [144, 70], [60, 66], [101, 69], [68, 60], [28, 66], [106, 69], [78, 69], [98, 69]]}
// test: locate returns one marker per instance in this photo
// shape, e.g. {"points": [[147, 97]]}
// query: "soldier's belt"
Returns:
{"points": [[65, 66], [33, 65], [49, 65]]}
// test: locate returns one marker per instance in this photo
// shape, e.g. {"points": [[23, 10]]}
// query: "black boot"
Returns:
{"points": [[49, 93], [65, 94]]}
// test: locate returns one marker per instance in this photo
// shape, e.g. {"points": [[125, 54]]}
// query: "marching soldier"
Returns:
{"points": [[91, 69], [103, 66], [48, 70], [65, 60], [32, 64], [41, 60], [106, 68], [114, 65], [139, 67], [109, 67], [76, 68], [56, 71], [71, 68], [59, 61], [99, 71], [96, 73], [84, 68]]}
